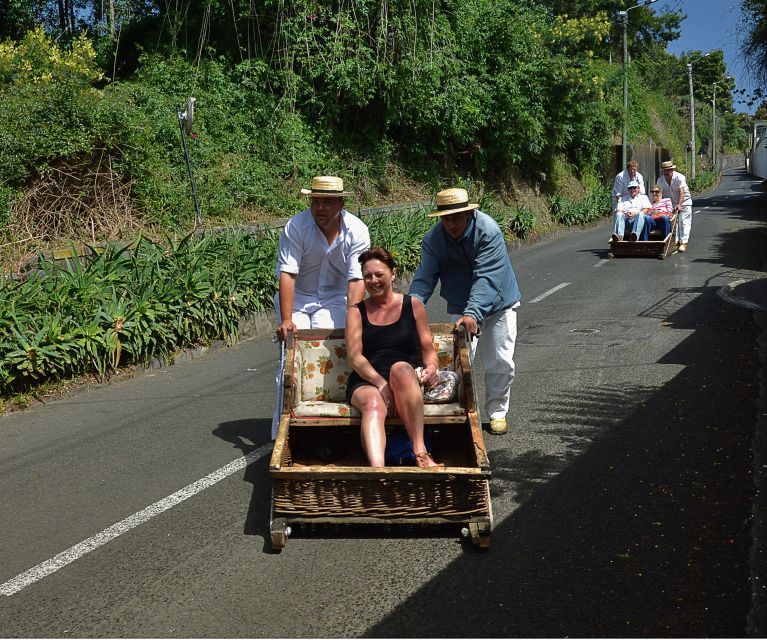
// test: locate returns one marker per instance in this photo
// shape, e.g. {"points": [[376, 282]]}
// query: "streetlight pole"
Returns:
{"points": [[692, 119], [713, 131], [625, 19], [692, 113]]}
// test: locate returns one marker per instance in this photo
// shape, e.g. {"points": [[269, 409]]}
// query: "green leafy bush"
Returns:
{"points": [[401, 234], [702, 181], [521, 221], [121, 306], [569, 213], [132, 303]]}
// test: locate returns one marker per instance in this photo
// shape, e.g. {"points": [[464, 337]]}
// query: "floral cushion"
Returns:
{"points": [[319, 409], [323, 369], [315, 409]]}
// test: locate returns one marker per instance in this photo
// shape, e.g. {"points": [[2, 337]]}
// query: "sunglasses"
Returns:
{"points": [[654, 191]]}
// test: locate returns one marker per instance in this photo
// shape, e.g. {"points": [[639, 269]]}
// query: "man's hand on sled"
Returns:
{"points": [[470, 323], [282, 330]]}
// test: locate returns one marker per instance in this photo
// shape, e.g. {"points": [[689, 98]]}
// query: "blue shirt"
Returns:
{"points": [[475, 272]]}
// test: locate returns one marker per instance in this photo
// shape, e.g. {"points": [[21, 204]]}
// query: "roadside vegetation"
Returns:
{"points": [[519, 103]]}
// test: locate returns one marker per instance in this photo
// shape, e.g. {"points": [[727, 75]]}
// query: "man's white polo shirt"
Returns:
{"points": [[322, 271]]}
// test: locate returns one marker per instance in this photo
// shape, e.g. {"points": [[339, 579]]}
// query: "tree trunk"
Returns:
{"points": [[72, 16], [62, 16]]}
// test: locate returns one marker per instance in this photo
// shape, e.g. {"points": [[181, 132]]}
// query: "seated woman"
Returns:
{"points": [[387, 337], [660, 212]]}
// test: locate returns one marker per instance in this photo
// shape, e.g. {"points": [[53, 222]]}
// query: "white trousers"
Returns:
{"points": [[495, 342], [326, 318], [684, 224]]}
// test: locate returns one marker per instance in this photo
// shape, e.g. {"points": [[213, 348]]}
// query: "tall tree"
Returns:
{"points": [[647, 29], [19, 16], [710, 68], [755, 21]]}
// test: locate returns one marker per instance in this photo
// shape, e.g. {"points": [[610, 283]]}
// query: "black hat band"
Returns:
{"points": [[448, 207]]}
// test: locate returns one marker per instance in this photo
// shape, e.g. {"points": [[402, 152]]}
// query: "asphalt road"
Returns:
{"points": [[622, 493]]}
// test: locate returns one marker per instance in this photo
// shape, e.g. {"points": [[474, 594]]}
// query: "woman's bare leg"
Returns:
{"points": [[409, 400], [368, 401]]}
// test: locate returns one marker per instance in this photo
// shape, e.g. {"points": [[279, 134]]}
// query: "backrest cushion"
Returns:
{"points": [[324, 370], [443, 345]]}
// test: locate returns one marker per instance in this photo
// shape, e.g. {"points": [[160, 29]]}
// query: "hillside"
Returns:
{"points": [[517, 102]]}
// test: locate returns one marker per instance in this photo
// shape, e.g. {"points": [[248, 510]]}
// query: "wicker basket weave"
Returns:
{"points": [[382, 497]]}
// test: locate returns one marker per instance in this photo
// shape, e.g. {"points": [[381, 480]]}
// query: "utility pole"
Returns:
{"points": [[713, 132], [185, 121], [625, 16], [692, 119], [625, 20]]}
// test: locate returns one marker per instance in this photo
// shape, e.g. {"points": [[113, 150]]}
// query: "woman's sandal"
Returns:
{"points": [[424, 457]]}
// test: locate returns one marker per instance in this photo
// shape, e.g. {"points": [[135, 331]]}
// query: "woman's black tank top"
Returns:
{"points": [[383, 345]]}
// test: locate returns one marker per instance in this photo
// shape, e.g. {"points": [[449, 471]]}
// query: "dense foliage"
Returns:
{"points": [[475, 89], [96, 313], [571, 213], [132, 303], [468, 88]]}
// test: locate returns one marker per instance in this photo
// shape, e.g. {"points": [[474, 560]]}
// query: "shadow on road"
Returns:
{"points": [[249, 435], [643, 528]]}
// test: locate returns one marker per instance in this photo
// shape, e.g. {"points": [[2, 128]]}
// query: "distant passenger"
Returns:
{"points": [[674, 186], [629, 212], [620, 186]]}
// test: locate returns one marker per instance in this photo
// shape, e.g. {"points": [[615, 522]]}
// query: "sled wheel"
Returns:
{"points": [[480, 534], [280, 531]]}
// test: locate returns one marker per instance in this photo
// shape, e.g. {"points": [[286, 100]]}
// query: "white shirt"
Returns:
{"points": [[672, 190], [322, 271], [633, 205], [621, 184]]}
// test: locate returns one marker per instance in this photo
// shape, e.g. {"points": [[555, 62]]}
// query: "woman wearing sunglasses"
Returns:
{"points": [[660, 212]]}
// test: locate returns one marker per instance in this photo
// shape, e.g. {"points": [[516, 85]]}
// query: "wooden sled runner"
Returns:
{"points": [[656, 247], [320, 474]]}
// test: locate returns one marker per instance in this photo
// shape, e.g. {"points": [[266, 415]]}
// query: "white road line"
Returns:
{"points": [[601, 262], [548, 293], [110, 533]]}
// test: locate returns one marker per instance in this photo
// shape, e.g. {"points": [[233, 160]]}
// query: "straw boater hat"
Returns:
{"points": [[668, 164], [326, 187], [452, 201]]}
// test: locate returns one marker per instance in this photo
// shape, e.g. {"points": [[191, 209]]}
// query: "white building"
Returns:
{"points": [[756, 163]]}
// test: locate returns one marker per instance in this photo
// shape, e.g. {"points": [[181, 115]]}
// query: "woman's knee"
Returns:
{"points": [[368, 401], [402, 373], [374, 407]]}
